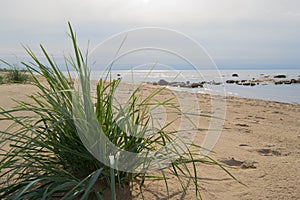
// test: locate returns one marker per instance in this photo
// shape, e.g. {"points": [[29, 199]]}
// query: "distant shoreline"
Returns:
{"points": [[263, 87]]}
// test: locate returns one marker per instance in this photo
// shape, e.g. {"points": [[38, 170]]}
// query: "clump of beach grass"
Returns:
{"points": [[13, 75], [47, 158], [1, 79]]}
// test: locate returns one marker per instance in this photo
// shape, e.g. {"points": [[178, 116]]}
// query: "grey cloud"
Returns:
{"points": [[235, 32]]}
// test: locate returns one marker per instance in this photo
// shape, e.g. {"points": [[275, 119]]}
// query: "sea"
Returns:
{"points": [[287, 93]]}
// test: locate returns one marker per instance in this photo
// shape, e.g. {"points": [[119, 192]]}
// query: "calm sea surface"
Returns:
{"points": [[282, 93]]}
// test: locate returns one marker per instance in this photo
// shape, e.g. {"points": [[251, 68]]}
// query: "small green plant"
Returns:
{"points": [[1, 79], [14, 75], [3, 70], [47, 158]]}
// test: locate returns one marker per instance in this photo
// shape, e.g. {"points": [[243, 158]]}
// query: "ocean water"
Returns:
{"points": [[281, 93]]}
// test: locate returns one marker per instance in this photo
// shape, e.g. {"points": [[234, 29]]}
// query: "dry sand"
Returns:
{"points": [[259, 145]]}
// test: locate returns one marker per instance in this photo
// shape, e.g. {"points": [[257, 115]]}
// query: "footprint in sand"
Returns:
{"points": [[272, 152], [247, 164]]}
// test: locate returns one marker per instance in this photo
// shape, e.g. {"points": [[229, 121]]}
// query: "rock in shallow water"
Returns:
{"points": [[230, 81], [162, 82], [280, 76]]}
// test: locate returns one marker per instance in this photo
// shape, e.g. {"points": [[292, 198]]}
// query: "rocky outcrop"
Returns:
{"points": [[187, 84], [243, 82], [178, 84], [196, 85], [230, 81], [162, 82], [246, 83], [283, 82], [280, 76]]}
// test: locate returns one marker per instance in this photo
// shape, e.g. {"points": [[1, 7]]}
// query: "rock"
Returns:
{"points": [[119, 76], [154, 83], [281, 82], [280, 76], [230, 81], [214, 83], [235, 75], [178, 84], [162, 82], [287, 82], [295, 81], [196, 85], [246, 83]]}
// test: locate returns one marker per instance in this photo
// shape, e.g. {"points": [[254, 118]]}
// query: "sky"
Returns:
{"points": [[235, 33]]}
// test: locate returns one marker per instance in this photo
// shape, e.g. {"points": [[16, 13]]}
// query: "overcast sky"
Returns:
{"points": [[236, 33]]}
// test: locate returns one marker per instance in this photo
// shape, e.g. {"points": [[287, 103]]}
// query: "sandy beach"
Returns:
{"points": [[259, 145]]}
